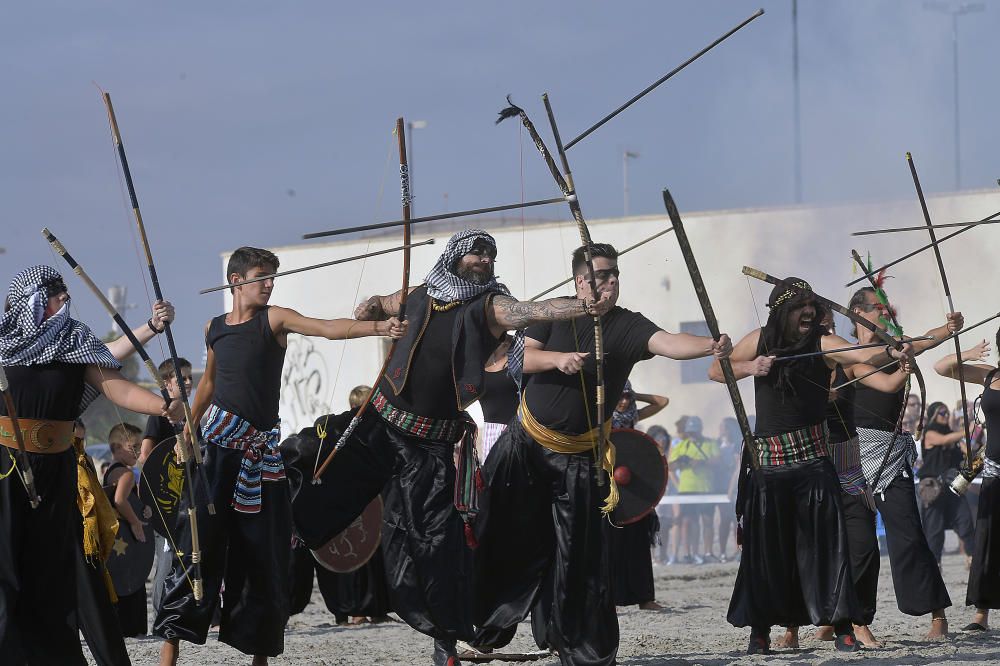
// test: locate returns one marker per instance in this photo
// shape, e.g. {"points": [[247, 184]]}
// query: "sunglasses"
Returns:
{"points": [[606, 274], [869, 307]]}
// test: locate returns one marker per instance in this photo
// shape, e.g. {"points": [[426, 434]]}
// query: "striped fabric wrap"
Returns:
{"points": [[490, 434], [469, 477], [797, 446], [846, 457], [873, 446], [261, 457]]}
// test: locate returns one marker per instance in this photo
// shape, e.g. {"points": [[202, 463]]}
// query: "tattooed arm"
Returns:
{"points": [[379, 308], [509, 313]]}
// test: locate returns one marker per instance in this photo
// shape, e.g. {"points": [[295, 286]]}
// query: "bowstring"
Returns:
{"points": [[806, 377], [142, 475], [321, 430]]}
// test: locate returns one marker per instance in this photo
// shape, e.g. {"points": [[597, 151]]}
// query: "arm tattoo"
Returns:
{"points": [[390, 304], [512, 313]]}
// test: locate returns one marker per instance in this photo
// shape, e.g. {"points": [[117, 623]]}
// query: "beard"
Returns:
{"points": [[475, 277]]}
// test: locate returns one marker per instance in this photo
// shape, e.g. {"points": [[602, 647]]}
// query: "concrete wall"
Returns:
{"points": [[810, 242]]}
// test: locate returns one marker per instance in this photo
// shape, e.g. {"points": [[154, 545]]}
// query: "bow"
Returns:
{"points": [[897, 330], [565, 184], [951, 307], [195, 579], [749, 442], [860, 321], [25, 473], [158, 293], [405, 198]]}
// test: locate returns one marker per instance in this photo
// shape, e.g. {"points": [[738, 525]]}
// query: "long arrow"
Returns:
{"points": [[749, 442], [620, 254], [871, 232], [315, 266], [663, 78], [432, 218]]}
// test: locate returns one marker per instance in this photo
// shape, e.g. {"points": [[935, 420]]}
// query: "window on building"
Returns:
{"points": [[695, 371]]}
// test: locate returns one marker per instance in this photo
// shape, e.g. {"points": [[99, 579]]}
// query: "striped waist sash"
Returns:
{"points": [[261, 457], [469, 477], [846, 457], [793, 447]]}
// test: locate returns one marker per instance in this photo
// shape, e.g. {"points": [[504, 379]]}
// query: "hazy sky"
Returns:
{"points": [[252, 123]]}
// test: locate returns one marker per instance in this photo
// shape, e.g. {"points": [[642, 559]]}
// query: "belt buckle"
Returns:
{"points": [[34, 435]]}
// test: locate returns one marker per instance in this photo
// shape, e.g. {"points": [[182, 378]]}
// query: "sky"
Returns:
{"points": [[251, 123]]}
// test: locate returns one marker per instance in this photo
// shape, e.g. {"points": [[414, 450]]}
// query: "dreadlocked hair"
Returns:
{"points": [[773, 333]]}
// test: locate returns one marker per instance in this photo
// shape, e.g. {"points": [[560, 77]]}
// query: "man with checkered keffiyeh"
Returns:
{"points": [[455, 319], [48, 358]]}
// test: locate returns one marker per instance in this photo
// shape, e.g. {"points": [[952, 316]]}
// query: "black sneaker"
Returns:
{"points": [[444, 654], [847, 643], [759, 645]]}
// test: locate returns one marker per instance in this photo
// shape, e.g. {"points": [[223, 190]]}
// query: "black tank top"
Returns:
{"points": [[803, 405], [51, 391], [990, 404], [248, 364], [878, 410], [430, 386], [840, 412], [117, 465], [500, 397]]}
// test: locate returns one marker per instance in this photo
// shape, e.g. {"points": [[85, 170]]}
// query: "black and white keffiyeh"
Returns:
{"points": [[873, 446], [28, 338], [444, 285], [628, 417]]}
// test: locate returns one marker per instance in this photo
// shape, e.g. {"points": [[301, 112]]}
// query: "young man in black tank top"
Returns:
{"points": [[456, 319], [246, 544], [795, 475], [543, 538], [49, 359]]}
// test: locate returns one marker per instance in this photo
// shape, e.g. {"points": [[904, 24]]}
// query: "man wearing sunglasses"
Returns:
{"points": [[542, 540]]}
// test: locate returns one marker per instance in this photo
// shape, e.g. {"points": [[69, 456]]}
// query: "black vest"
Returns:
{"points": [[471, 344]]}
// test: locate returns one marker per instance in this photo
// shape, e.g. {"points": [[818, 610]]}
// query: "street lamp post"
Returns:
{"points": [[410, 126], [625, 157], [955, 12]]}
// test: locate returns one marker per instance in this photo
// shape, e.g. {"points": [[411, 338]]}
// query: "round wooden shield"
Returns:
{"points": [[640, 473], [131, 560], [352, 548], [161, 485]]}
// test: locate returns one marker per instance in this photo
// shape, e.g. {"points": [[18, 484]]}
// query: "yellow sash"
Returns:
{"points": [[100, 521], [563, 443]]}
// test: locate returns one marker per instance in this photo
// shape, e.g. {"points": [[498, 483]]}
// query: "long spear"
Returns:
{"points": [[405, 199], [188, 417], [315, 266], [951, 305], [22, 461], [432, 218], [60, 249]]}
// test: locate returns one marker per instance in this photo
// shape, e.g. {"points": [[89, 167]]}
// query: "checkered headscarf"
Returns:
{"points": [[445, 286], [28, 339]]}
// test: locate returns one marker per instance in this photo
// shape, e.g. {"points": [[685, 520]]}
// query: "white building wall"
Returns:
{"points": [[809, 242]]}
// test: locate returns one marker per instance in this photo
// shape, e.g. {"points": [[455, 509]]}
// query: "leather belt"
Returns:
{"points": [[40, 435]]}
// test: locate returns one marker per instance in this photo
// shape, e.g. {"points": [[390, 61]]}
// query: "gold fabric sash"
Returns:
{"points": [[563, 443], [100, 521]]}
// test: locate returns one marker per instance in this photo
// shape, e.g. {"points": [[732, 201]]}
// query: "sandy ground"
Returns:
{"points": [[692, 630]]}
